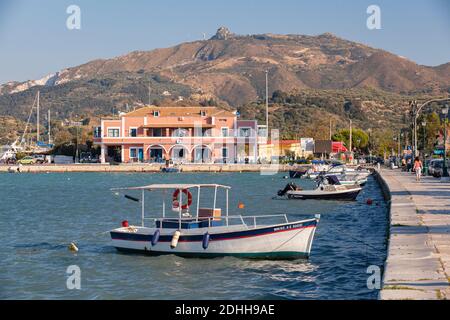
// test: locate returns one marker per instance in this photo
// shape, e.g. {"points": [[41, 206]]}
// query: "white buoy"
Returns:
{"points": [[73, 247], [176, 236]]}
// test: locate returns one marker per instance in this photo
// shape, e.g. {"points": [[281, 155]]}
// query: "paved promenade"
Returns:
{"points": [[418, 262]]}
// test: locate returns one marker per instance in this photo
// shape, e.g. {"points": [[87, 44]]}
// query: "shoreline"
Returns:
{"points": [[44, 168]]}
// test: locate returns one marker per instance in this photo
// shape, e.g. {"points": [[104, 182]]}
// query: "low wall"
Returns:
{"points": [[143, 168]]}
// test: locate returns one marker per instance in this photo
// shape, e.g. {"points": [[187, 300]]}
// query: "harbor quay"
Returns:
{"points": [[139, 167], [418, 259]]}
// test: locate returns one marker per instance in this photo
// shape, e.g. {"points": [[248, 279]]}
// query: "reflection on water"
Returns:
{"points": [[43, 213]]}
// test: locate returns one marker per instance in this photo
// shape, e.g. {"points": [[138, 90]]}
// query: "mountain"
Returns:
{"points": [[227, 69]]}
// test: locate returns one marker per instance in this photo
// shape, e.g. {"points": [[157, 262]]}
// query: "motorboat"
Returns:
{"points": [[348, 179], [197, 231], [328, 188], [170, 169], [297, 172], [340, 170]]}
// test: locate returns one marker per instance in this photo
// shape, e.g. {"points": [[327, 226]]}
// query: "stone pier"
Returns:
{"points": [[418, 261]]}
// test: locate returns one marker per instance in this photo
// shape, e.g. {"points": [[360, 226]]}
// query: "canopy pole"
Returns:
{"points": [[179, 209], [164, 209], [226, 208], [143, 208], [198, 202], [215, 197]]}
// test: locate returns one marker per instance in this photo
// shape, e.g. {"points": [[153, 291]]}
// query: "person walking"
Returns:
{"points": [[418, 168]]}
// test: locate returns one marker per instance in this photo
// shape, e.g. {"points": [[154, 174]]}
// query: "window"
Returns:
{"points": [[181, 132], [133, 153], [224, 152], [224, 132], [244, 132], [156, 113], [133, 132], [203, 113], [113, 132], [155, 132], [98, 132]]}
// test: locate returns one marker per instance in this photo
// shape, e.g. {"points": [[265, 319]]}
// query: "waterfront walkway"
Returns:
{"points": [[418, 262]]}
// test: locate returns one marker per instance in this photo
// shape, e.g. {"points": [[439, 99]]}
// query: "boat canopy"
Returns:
{"points": [[173, 186]]}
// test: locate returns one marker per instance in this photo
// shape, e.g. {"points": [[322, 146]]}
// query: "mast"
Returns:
{"points": [[49, 127], [267, 103], [37, 116], [351, 152]]}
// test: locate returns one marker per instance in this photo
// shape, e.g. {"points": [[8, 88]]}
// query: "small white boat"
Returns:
{"points": [[208, 233], [348, 179], [328, 188], [340, 170]]}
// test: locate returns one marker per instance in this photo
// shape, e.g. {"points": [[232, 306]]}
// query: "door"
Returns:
{"points": [[141, 154]]}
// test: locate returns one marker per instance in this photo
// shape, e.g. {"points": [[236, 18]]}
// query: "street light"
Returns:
{"points": [[445, 114], [415, 110], [424, 123]]}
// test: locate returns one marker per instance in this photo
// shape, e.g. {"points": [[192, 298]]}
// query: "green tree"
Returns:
{"points": [[360, 139], [382, 142]]}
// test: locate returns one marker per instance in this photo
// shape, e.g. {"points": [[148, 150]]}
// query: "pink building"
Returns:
{"points": [[182, 134]]}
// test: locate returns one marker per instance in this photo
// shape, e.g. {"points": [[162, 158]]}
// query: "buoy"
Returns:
{"points": [[125, 223], [286, 177], [155, 237], [73, 247], [241, 205], [205, 241], [369, 201], [174, 242]]}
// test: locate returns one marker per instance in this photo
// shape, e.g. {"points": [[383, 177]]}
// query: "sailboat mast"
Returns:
{"points": [[37, 116], [49, 127]]}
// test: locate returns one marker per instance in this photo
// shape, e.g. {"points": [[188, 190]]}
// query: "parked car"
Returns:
{"points": [[27, 160], [438, 170], [40, 158], [87, 157], [62, 159], [433, 165]]}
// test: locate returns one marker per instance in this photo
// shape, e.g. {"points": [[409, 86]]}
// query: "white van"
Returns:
{"points": [[62, 159]]}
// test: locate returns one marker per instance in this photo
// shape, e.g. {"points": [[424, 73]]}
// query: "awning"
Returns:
{"points": [[173, 186], [176, 125]]}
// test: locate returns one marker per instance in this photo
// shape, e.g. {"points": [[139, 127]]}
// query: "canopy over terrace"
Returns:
{"points": [[179, 187]]}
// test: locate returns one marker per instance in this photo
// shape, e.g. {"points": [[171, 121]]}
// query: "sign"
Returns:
{"points": [[438, 151]]}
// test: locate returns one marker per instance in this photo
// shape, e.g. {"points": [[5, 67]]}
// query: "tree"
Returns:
{"points": [[382, 141], [360, 139], [63, 137]]}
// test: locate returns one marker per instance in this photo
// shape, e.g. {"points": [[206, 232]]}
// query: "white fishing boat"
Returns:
{"points": [[328, 188], [206, 231], [348, 178], [340, 170]]}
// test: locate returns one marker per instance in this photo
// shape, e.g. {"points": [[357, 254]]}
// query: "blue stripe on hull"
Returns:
{"points": [[286, 255], [214, 237]]}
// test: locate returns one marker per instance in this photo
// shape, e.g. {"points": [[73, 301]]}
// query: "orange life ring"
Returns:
{"points": [[175, 202]]}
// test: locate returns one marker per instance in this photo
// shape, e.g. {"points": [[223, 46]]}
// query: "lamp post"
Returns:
{"points": [[445, 114], [424, 123], [415, 110]]}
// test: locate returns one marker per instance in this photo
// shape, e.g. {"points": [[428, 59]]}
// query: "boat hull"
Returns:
{"points": [[348, 195], [284, 241]]}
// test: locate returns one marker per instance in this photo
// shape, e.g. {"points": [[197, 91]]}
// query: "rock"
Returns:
{"points": [[223, 33]]}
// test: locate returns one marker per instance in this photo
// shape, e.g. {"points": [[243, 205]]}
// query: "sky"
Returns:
{"points": [[35, 41]]}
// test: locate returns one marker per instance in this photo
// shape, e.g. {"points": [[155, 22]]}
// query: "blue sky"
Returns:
{"points": [[34, 40]]}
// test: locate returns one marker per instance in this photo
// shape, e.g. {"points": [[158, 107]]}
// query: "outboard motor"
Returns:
{"points": [[288, 187]]}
